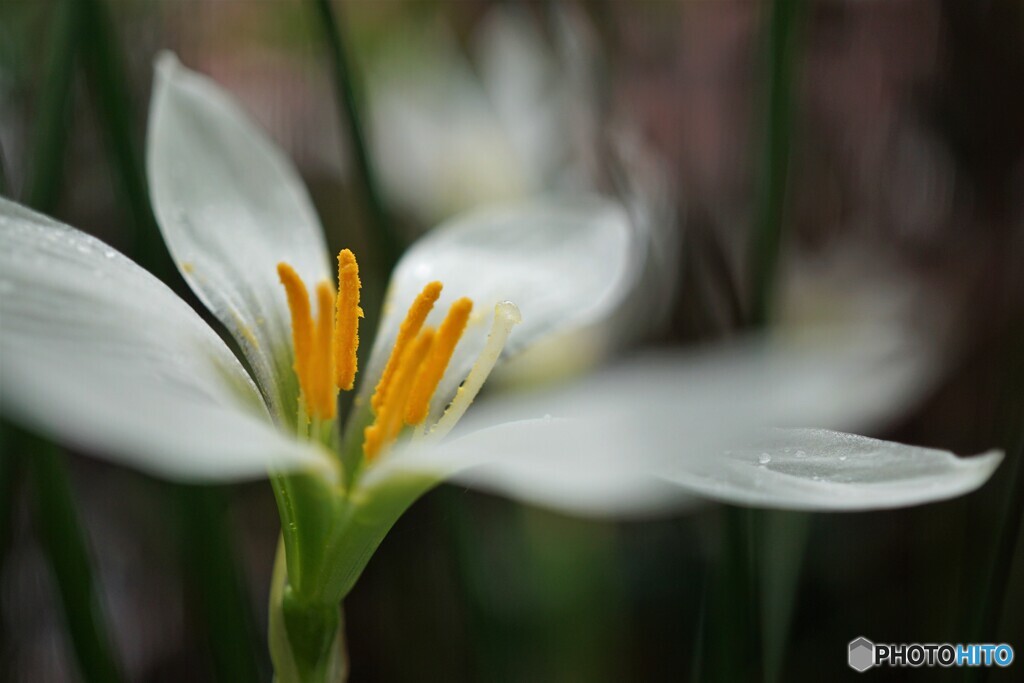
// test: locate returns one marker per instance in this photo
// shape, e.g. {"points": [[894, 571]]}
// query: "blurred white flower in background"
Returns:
{"points": [[449, 133]]}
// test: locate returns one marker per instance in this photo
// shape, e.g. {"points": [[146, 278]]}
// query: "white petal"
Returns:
{"points": [[816, 469], [439, 144], [531, 95], [690, 420], [566, 465], [231, 207], [99, 354], [564, 262]]}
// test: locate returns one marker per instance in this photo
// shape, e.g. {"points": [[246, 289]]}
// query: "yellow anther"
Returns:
{"points": [[388, 420], [323, 393], [432, 370], [302, 324], [346, 321], [414, 319]]}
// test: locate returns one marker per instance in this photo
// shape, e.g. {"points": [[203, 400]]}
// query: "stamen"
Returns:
{"points": [[346, 321], [506, 316], [388, 421], [433, 368], [322, 372], [418, 312], [302, 323]]}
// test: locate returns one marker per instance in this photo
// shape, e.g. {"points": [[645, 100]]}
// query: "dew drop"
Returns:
{"points": [[764, 458]]}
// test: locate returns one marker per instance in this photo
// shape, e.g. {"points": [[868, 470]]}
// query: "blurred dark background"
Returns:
{"points": [[903, 205]]}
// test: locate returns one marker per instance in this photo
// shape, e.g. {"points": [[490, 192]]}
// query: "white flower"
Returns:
{"points": [[96, 352], [450, 134]]}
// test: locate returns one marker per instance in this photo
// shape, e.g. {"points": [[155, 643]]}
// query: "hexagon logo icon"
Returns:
{"points": [[862, 654]]}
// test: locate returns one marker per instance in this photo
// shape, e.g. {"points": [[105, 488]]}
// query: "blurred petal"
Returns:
{"points": [[231, 207], [563, 261], [570, 465], [618, 438], [96, 352], [816, 469], [437, 139]]}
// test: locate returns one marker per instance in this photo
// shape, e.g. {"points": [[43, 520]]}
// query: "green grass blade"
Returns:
{"points": [[346, 89]]}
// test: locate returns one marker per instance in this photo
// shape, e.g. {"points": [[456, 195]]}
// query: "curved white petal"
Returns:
{"points": [[698, 421], [231, 206], [817, 469], [99, 354], [563, 261], [574, 466]]}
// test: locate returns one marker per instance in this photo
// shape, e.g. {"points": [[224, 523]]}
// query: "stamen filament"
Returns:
{"points": [[346, 321], [506, 316], [433, 368], [414, 319]]}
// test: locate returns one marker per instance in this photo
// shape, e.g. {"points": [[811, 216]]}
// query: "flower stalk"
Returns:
{"points": [[307, 638], [381, 233]]}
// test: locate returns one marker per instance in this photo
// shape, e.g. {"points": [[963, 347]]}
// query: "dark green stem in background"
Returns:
{"points": [[767, 237], [999, 541], [63, 538], [53, 119], [346, 90], [4, 189], [1011, 519], [108, 85], [56, 518], [765, 554], [216, 574], [218, 582]]}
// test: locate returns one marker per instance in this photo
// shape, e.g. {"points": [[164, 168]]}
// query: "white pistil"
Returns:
{"points": [[506, 316]]}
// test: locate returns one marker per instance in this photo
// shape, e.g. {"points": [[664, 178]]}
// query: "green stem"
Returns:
{"points": [[769, 577], [990, 586], [218, 581], [11, 468], [780, 543], [108, 84], [229, 623], [767, 238], [4, 189], [731, 620], [307, 639], [988, 592], [346, 90], [65, 543], [58, 523], [50, 136]]}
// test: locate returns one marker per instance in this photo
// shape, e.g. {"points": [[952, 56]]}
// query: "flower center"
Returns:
{"points": [[326, 358]]}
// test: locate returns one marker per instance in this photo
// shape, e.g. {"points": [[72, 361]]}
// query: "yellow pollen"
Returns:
{"points": [[322, 372], [433, 368], [346, 321], [414, 319], [302, 325], [388, 419]]}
